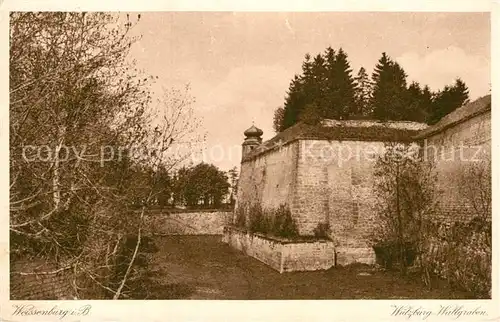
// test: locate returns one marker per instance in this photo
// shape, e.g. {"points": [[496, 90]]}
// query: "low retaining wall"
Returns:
{"points": [[282, 255], [39, 280], [347, 255], [187, 223]]}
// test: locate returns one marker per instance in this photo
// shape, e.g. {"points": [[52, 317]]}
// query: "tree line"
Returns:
{"points": [[326, 88], [197, 186]]}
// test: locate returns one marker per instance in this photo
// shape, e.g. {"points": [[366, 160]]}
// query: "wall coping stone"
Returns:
{"points": [[280, 240], [168, 211]]}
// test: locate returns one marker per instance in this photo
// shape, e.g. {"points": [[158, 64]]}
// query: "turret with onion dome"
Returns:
{"points": [[253, 132], [253, 138]]}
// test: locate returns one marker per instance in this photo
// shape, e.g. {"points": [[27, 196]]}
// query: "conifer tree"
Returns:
{"points": [[363, 92], [447, 100], [390, 96], [327, 89], [294, 103], [383, 63], [318, 82], [346, 102], [419, 102], [278, 119], [339, 101]]}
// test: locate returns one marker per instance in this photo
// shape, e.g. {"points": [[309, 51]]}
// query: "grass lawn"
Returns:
{"points": [[202, 267]]}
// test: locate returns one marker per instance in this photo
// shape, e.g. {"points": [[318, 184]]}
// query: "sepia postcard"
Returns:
{"points": [[210, 161]]}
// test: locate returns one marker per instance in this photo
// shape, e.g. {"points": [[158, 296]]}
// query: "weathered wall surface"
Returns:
{"points": [[29, 281], [332, 181], [350, 255], [313, 256], [455, 152], [335, 185], [187, 223], [283, 256], [262, 249], [269, 178]]}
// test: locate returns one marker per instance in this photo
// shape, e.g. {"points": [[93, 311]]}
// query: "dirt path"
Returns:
{"points": [[202, 267]]}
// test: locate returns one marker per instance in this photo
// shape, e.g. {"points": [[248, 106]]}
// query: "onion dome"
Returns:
{"points": [[253, 132]]}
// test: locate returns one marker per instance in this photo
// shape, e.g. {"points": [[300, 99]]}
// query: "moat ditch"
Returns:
{"points": [[202, 267]]}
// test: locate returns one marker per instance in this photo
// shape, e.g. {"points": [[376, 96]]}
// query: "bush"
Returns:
{"points": [[389, 252], [278, 222], [461, 254], [322, 230], [284, 225], [259, 222]]}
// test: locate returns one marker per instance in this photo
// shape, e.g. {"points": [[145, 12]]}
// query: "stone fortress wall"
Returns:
{"points": [[459, 143], [331, 179]]}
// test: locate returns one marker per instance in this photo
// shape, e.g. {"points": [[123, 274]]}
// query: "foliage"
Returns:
{"points": [[389, 98], [327, 89], [404, 188], [311, 114], [75, 97], [459, 252], [475, 187], [204, 183], [258, 220], [233, 182], [326, 83], [322, 230], [363, 92], [276, 222], [278, 119], [447, 100], [284, 224]]}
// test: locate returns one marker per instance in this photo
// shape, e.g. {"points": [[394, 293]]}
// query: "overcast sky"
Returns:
{"points": [[239, 65]]}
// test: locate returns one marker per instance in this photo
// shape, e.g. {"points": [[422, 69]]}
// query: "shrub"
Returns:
{"points": [[277, 222], [284, 225], [259, 222], [322, 230], [240, 220], [390, 252], [461, 254]]}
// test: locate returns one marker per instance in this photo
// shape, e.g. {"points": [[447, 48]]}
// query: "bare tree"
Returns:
{"points": [[81, 136], [404, 187], [475, 187]]}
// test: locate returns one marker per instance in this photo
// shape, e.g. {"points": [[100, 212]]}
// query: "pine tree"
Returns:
{"points": [[307, 77], [419, 102], [363, 92], [278, 119], [319, 81], [294, 103], [447, 100], [383, 63], [346, 88], [312, 75], [329, 56], [390, 95], [340, 102]]}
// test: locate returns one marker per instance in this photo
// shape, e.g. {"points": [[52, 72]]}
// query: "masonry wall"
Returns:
{"points": [[283, 256], [335, 185], [188, 223], [454, 153], [269, 179], [29, 281]]}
